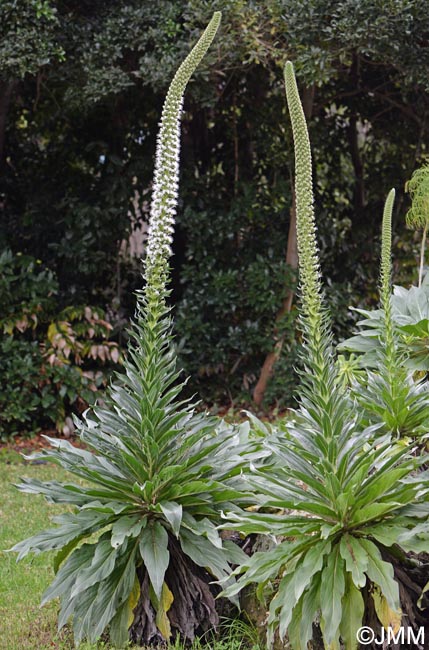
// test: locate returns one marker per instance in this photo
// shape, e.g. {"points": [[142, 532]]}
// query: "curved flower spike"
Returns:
{"points": [[310, 282], [166, 176]]}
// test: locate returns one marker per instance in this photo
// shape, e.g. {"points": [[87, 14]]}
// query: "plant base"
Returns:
{"points": [[193, 611]]}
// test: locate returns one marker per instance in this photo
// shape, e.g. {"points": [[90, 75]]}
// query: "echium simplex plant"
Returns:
{"points": [[389, 395], [346, 505], [136, 556]]}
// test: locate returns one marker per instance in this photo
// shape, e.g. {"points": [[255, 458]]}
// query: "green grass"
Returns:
{"points": [[23, 624]]}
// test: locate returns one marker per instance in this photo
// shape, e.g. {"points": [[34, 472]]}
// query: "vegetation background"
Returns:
{"points": [[81, 88]]}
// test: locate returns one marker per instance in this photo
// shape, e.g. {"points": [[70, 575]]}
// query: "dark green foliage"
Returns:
{"points": [[371, 29], [35, 395], [80, 138], [20, 402], [28, 37], [230, 299], [51, 361], [26, 287]]}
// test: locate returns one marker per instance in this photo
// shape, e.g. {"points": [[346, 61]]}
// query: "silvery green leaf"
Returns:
{"points": [[127, 526], [153, 547], [173, 513]]}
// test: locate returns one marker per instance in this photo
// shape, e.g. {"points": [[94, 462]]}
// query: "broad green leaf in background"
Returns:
{"points": [[381, 574]]}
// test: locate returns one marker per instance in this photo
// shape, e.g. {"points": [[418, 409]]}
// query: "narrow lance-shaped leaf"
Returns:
{"points": [[331, 593], [173, 513], [352, 614], [355, 558], [381, 573], [120, 623], [154, 551]]}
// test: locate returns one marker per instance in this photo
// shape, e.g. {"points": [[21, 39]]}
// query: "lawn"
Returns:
{"points": [[23, 624]]}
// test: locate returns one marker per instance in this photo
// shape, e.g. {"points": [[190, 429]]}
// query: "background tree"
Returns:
{"points": [[80, 140]]}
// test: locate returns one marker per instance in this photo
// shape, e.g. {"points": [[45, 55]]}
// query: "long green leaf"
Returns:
{"points": [[71, 527], [356, 559], [352, 614], [310, 609], [381, 573], [102, 565], [126, 526], [153, 547], [332, 588], [205, 554], [90, 621], [69, 571]]}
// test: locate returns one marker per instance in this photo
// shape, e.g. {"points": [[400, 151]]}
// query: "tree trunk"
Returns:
{"points": [[279, 337], [6, 90], [292, 261], [359, 200]]}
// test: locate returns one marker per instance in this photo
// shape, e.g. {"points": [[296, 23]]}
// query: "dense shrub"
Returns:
{"points": [[51, 362], [82, 85], [230, 295]]}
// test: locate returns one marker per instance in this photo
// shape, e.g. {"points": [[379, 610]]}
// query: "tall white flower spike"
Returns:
{"points": [[166, 176]]}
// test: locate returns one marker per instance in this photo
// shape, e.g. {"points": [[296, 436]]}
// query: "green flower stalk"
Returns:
{"points": [[315, 323], [390, 344], [418, 215], [310, 278]]}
